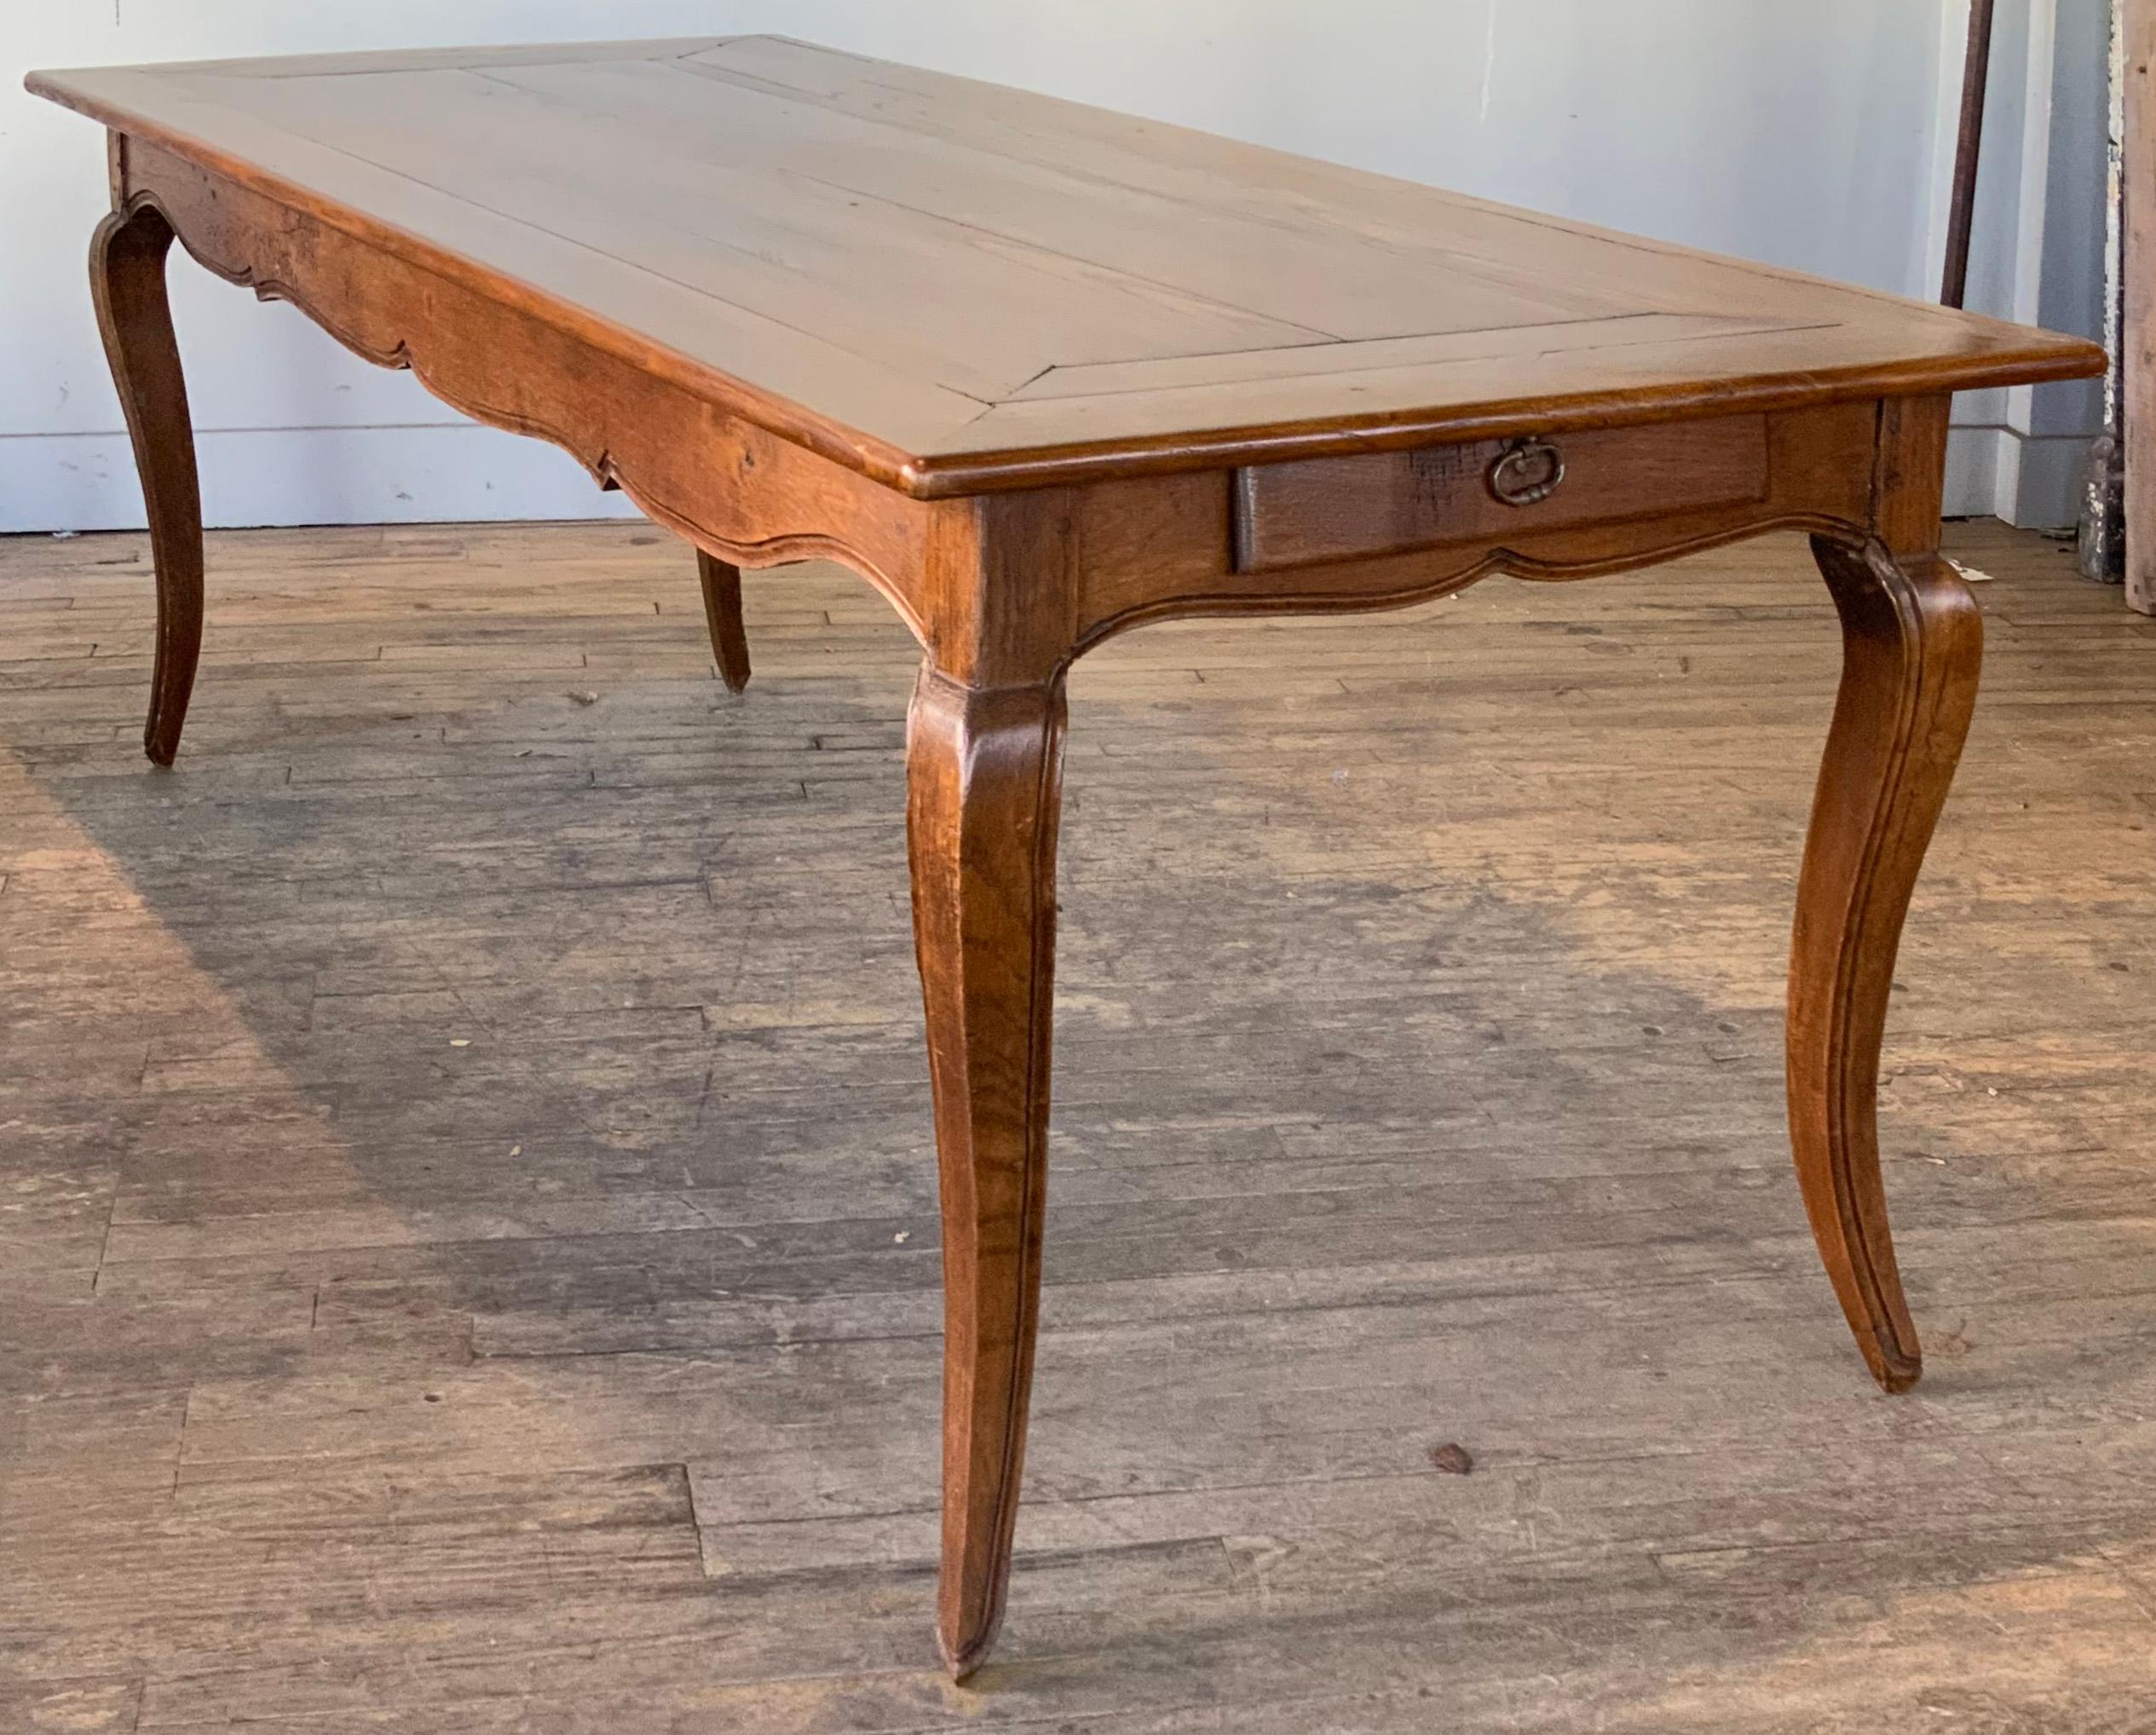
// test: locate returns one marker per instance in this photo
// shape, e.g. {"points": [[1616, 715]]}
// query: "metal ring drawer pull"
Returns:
{"points": [[1527, 471]]}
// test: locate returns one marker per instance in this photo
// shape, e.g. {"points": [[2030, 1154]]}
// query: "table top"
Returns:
{"points": [[951, 283]]}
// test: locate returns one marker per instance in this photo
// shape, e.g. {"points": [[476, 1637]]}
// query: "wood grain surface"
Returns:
{"points": [[469, 1231], [1329, 509], [762, 330], [955, 286]]}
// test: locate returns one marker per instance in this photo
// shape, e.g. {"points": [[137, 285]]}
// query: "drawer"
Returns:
{"points": [[1288, 515]]}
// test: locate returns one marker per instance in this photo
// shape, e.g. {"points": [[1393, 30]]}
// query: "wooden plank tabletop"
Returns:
{"points": [[952, 280]]}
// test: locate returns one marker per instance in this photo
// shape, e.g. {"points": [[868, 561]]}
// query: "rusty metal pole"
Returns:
{"points": [[1977, 75]]}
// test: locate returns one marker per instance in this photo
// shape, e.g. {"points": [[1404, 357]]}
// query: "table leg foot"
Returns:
{"points": [[721, 581], [127, 258], [984, 776], [1912, 648]]}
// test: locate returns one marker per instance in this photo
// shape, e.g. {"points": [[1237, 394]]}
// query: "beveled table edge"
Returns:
{"points": [[948, 467]]}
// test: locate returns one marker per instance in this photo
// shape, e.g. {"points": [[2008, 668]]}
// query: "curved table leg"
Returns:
{"points": [[721, 581], [1912, 646], [984, 784], [127, 258]]}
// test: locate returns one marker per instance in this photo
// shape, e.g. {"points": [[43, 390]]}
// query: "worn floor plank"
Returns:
{"points": [[468, 1247]]}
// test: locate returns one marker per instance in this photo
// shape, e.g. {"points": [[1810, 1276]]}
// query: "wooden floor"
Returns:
{"points": [[468, 1247]]}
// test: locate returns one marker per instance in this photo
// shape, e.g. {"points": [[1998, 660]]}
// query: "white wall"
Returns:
{"points": [[2039, 256], [1813, 135]]}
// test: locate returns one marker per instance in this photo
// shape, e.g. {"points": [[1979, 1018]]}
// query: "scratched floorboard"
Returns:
{"points": [[467, 1249]]}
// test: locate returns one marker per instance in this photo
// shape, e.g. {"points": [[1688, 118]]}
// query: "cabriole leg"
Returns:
{"points": [[127, 259], [1912, 644], [721, 581], [984, 777]]}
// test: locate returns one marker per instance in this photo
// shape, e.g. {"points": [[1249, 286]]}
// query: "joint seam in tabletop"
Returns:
{"points": [[1487, 271], [570, 240], [1319, 336], [1643, 245], [1018, 245], [1635, 243], [857, 450], [743, 80], [328, 66], [930, 465], [983, 467], [1003, 237], [1348, 359]]}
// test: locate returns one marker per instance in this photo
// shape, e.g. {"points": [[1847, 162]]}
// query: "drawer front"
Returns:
{"points": [[1289, 515]]}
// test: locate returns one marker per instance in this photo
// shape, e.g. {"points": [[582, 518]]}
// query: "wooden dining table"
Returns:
{"points": [[1041, 373]]}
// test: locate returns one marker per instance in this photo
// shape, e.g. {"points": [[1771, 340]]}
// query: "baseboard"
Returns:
{"points": [[434, 472], [2031, 482]]}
